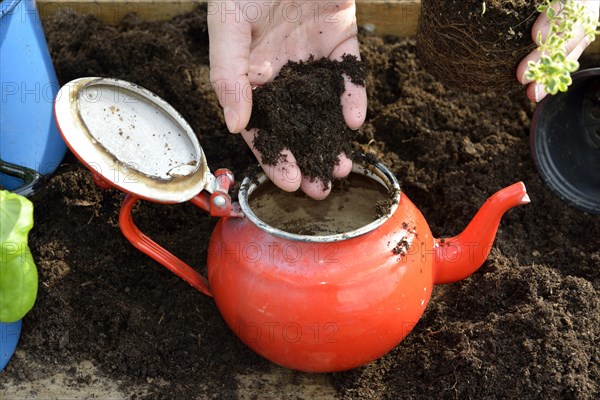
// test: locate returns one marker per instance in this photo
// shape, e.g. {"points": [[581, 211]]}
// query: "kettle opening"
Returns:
{"points": [[357, 205]]}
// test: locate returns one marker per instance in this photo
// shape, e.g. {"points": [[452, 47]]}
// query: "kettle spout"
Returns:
{"points": [[458, 257]]}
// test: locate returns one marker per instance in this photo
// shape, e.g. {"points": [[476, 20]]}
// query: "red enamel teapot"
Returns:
{"points": [[311, 302]]}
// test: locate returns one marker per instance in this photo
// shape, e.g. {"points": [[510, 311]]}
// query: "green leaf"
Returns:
{"points": [[559, 57], [551, 12], [18, 273], [531, 75], [566, 80], [546, 61], [552, 86], [554, 40], [562, 86], [571, 65]]}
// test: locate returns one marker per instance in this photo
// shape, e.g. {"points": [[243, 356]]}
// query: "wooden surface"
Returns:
{"points": [[389, 17], [113, 11], [397, 17], [384, 17]]}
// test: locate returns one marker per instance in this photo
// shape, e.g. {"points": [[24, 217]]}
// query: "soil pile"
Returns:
{"points": [[526, 325]]}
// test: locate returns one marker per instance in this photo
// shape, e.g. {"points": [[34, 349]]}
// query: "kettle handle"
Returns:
{"points": [[156, 251]]}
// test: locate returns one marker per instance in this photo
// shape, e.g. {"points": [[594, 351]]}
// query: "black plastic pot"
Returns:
{"points": [[32, 180], [565, 141]]}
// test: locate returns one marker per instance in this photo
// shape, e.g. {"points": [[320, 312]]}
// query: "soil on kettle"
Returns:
{"points": [[110, 322]]}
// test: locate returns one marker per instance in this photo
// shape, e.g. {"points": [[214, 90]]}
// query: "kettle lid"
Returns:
{"points": [[132, 139]]}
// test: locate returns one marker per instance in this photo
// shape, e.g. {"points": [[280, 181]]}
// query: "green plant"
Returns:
{"points": [[553, 70], [18, 273]]}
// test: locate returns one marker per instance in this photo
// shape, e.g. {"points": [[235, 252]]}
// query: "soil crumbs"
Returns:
{"points": [[526, 325]]}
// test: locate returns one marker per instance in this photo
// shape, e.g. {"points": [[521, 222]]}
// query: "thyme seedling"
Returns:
{"points": [[553, 70]]}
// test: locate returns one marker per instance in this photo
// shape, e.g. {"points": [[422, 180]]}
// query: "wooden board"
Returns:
{"points": [[395, 17], [113, 11], [389, 17], [384, 17]]}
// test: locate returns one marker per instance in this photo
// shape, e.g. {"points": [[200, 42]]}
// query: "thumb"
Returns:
{"points": [[229, 51]]}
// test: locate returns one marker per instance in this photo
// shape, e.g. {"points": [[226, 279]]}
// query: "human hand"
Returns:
{"points": [[249, 43], [574, 47]]}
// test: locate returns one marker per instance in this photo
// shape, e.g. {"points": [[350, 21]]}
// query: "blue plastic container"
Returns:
{"points": [[9, 337], [28, 133]]}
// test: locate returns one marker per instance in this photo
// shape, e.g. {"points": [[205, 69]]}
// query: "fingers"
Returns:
{"points": [[315, 188], [229, 51], [541, 25], [573, 48], [535, 92], [344, 167], [354, 104], [579, 49], [354, 99], [286, 174]]}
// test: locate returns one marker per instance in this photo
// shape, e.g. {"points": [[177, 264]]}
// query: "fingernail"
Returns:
{"points": [[232, 119], [538, 92]]}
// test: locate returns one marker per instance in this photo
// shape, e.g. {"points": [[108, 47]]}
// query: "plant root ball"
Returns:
{"points": [[472, 47]]}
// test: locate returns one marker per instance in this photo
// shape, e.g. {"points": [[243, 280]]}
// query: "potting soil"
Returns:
{"points": [[109, 321]]}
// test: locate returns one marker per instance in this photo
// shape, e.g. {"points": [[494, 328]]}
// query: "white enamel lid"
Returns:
{"points": [[133, 139]]}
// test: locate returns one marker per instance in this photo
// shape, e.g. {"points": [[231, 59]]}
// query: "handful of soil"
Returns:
{"points": [[300, 110]]}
